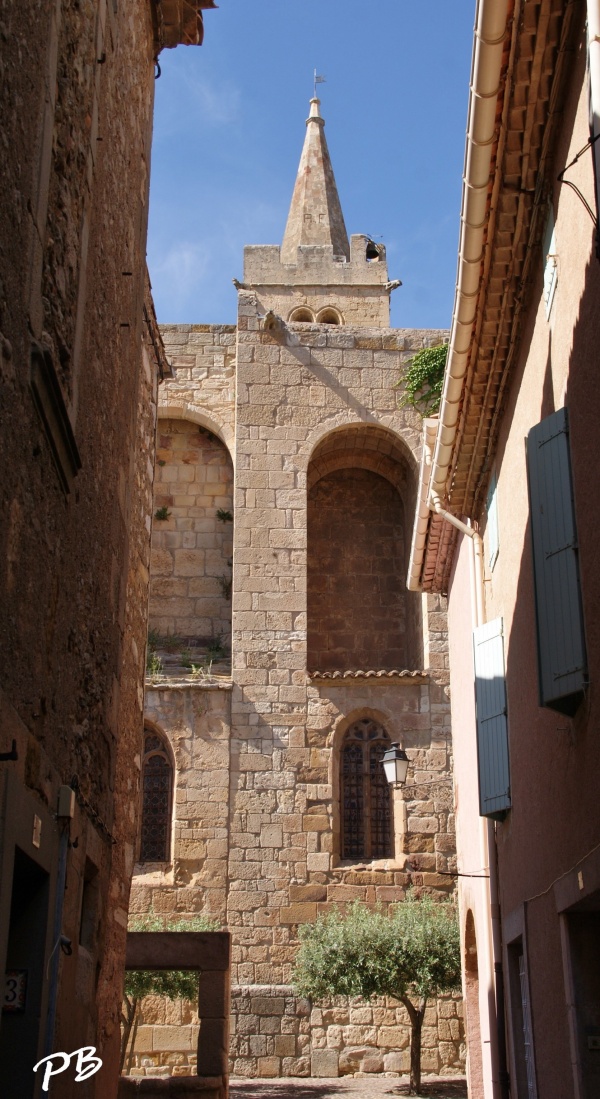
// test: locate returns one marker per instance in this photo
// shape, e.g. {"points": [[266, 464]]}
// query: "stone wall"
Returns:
{"points": [[355, 560], [203, 389], [190, 589], [76, 468], [196, 721], [257, 823], [317, 280], [276, 1033]]}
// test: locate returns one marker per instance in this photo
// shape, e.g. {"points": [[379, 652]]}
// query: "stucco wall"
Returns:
{"points": [[553, 823]]}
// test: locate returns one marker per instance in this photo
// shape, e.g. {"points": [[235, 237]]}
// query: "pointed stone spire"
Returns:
{"points": [[315, 215]]}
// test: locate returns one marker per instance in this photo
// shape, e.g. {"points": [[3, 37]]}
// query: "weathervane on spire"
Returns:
{"points": [[318, 80]]}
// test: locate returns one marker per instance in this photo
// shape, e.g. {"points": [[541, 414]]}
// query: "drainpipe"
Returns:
{"points": [[487, 837], [65, 813], [593, 20], [467, 528]]}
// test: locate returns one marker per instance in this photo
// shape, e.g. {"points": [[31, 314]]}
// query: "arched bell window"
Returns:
{"points": [[302, 315], [366, 810], [329, 316], [157, 797]]}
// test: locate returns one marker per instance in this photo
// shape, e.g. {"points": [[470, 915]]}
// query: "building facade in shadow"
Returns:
{"points": [[80, 361], [507, 525]]}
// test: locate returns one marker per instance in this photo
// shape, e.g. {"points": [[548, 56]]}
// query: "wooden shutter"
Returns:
{"points": [[492, 727], [561, 646]]}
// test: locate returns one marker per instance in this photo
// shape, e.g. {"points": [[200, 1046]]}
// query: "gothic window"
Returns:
{"points": [[157, 784], [365, 794]]}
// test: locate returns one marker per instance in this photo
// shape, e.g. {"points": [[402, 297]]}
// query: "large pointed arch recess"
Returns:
{"points": [[360, 615]]}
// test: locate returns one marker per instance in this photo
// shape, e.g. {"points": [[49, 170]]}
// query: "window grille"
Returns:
{"points": [[157, 783], [366, 798]]}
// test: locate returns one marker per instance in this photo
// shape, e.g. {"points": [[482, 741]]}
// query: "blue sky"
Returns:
{"points": [[229, 128]]}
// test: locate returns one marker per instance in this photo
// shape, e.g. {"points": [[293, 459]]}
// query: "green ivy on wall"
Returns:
{"points": [[422, 380]]}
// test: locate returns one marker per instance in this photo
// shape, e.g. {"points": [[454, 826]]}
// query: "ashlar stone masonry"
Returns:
{"points": [[326, 643]]}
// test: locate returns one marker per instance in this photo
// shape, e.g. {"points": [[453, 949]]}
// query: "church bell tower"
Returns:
{"points": [[318, 275]]}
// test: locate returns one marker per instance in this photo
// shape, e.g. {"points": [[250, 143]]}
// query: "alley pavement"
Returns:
{"points": [[368, 1087]]}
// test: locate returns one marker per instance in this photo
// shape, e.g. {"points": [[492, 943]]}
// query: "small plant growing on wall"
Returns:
{"points": [[216, 650], [162, 513], [225, 585], [422, 380], [224, 516], [154, 664], [202, 672]]}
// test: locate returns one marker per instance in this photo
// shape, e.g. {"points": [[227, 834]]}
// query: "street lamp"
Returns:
{"points": [[395, 764]]}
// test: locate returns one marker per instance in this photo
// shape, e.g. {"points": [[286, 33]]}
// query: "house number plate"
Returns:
{"points": [[15, 990]]}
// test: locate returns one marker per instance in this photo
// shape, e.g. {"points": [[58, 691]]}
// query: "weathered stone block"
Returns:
{"points": [[324, 1063]]}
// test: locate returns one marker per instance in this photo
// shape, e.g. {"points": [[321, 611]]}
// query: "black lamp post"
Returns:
{"points": [[395, 764]]}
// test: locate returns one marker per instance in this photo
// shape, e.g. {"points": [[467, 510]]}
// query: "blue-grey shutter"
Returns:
{"points": [[561, 646], [492, 727]]}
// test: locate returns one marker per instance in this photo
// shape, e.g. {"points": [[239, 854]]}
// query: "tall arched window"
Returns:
{"points": [[366, 810], [157, 787]]}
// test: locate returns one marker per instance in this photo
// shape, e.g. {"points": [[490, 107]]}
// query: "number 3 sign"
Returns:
{"points": [[15, 990]]}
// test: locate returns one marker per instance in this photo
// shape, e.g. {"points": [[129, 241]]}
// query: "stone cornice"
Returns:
{"points": [[178, 22]]}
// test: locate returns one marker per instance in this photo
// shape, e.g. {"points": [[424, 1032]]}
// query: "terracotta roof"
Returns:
{"points": [[540, 45]]}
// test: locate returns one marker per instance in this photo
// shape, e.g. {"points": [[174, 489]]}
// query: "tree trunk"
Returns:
{"points": [[132, 1046], [127, 1020], [416, 1016]]}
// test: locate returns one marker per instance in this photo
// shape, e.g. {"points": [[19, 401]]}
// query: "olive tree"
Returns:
{"points": [[174, 984], [411, 953]]}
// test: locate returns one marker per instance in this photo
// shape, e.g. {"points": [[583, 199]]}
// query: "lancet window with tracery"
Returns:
{"points": [[366, 812], [157, 786]]}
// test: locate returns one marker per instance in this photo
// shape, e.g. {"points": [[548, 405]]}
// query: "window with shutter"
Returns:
{"points": [[561, 646], [492, 727]]}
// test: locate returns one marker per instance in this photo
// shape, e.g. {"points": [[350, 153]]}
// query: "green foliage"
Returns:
{"points": [[422, 380], [414, 950], [162, 513], [152, 922], [154, 664], [178, 984], [411, 953], [202, 671], [175, 984], [215, 649], [224, 516]]}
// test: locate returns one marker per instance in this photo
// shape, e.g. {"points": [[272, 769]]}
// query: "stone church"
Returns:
{"points": [[287, 653]]}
